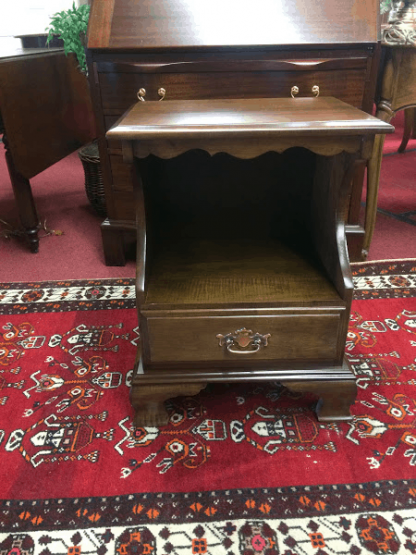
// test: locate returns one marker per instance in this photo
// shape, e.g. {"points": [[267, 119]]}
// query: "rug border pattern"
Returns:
{"points": [[374, 280], [208, 506]]}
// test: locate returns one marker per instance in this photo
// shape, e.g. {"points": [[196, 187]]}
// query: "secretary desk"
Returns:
{"points": [[223, 49], [239, 161]]}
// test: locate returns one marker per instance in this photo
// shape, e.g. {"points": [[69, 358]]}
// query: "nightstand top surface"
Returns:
{"points": [[177, 119]]}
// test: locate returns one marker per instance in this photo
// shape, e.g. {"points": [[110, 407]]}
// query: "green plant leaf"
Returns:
{"points": [[385, 5], [68, 25]]}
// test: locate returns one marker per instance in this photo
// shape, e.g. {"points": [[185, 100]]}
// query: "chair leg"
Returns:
{"points": [[409, 116], [373, 179]]}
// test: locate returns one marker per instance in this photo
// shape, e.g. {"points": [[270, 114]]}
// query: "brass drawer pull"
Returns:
{"points": [[295, 90], [315, 90], [241, 340], [141, 94]]}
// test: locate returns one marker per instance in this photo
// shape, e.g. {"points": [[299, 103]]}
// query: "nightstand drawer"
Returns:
{"points": [[298, 336]]}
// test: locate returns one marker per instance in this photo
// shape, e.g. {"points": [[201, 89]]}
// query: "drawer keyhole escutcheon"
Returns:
{"points": [[243, 341]]}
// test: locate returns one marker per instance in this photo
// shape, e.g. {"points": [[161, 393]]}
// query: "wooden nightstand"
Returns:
{"points": [[243, 271]]}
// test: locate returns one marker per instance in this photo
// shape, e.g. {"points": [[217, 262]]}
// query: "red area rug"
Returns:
{"points": [[240, 469]]}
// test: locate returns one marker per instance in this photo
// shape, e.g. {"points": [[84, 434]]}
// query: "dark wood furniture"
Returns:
{"points": [[396, 91], [47, 113], [173, 50], [242, 263]]}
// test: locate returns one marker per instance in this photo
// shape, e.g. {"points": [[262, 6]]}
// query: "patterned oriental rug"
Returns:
{"points": [[240, 469]]}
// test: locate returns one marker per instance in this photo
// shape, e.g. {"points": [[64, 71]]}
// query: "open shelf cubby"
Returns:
{"points": [[213, 273], [224, 231]]}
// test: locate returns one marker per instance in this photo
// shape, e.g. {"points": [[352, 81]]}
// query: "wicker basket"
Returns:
{"points": [[94, 186]]}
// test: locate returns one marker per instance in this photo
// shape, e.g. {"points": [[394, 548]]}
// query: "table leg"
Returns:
{"points": [[24, 201]]}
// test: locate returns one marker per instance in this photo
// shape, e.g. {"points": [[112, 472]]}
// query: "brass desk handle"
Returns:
{"points": [[294, 91], [141, 94], [242, 339], [315, 90]]}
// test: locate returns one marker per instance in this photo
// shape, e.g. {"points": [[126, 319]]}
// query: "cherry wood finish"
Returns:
{"points": [[47, 113], [242, 264], [183, 24], [269, 118], [223, 50], [301, 334]]}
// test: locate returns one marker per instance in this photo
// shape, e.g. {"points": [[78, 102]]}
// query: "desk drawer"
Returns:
{"points": [[119, 90], [301, 336]]}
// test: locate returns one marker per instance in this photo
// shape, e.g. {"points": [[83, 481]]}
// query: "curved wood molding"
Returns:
{"points": [[192, 66], [344, 191], [330, 202], [245, 148]]}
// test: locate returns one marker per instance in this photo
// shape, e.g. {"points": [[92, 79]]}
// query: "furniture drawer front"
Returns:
{"points": [[288, 337], [119, 91]]}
